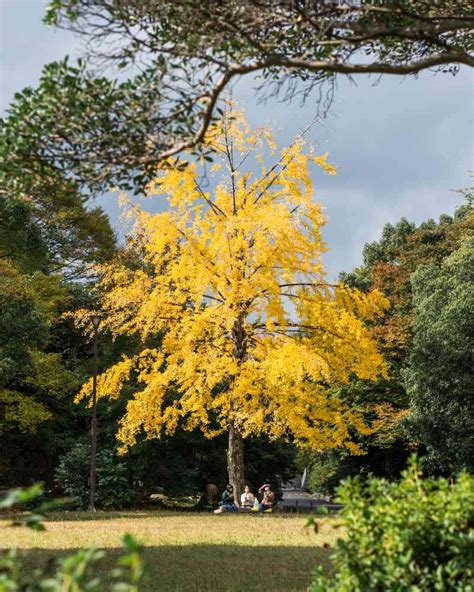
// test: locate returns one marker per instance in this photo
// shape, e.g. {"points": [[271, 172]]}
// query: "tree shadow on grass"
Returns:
{"points": [[78, 515], [209, 568], [82, 515]]}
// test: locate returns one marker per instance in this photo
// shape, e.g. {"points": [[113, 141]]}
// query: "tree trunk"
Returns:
{"points": [[235, 451], [235, 462]]}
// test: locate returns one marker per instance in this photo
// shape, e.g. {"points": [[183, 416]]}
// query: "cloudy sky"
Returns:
{"points": [[401, 147]]}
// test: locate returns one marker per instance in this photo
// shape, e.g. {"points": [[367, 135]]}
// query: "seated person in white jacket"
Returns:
{"points": [[247, 499]]}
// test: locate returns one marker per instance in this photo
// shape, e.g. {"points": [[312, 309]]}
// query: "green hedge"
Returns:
{"points": [[413, 535]]}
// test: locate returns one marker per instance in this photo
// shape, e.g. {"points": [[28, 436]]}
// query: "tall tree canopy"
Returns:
{"points": [[426, 377], [253, 334], [30, 376], [439, 377], [184, 54], [49, 235], [45, 216]]}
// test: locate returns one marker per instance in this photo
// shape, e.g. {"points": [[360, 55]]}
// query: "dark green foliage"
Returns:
{"points": [[46, 223], [439, 378], [273, 462], [61, 232], [182, 464], [417, 534], [22, 326], [20, 235], [393, 239], [113, 487], [31, 442], [48, 236], [186, 462], [34, 378], [102, 132], [436, 347], [328, 469], [109, 134]]}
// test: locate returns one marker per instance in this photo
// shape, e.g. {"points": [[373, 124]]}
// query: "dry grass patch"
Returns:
{"points": [[188, 551]]}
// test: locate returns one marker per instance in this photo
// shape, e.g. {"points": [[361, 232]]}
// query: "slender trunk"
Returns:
{"points": [[235, 451], [93, 473], [235, 462]]}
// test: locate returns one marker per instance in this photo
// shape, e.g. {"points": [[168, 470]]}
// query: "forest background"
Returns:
{"points": [[45, 245]]}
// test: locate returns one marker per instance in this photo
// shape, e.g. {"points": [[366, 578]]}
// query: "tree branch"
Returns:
{"points": [[312, 66]]}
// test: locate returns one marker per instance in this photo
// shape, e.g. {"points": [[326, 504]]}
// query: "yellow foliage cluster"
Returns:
{"points": [[252, 335], [387, 426]]}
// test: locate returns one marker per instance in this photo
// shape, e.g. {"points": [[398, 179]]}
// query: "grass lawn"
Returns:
{"points": [[190, 551]]}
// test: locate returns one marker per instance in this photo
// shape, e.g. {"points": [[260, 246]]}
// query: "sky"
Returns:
{"points": [[402, 147]]}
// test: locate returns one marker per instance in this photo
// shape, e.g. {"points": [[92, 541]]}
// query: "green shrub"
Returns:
{"points": [[113, 489], [325, 473], [76, 572], [413, 535]]}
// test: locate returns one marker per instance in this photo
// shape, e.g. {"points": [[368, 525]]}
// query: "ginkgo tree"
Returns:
{"points": [[253, 337]]}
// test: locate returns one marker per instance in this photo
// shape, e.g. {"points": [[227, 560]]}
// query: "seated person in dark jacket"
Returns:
{"points": [[228, 502]]}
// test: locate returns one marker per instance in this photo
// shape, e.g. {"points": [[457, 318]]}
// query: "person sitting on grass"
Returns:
{"points": [[268, 499], [228, 503], [247, 499]]}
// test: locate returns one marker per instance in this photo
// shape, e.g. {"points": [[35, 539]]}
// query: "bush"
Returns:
{"points": [[113, 490], [75, 572], [327, 469], [325, 473], [417, 535]]}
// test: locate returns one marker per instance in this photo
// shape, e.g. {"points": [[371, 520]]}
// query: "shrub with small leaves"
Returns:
{"points": [[416, 534], [72, 573], [113, 489]]}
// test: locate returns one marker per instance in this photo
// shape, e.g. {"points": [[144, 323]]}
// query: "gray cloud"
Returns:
{"points": [[26, 45], [400, 146]]}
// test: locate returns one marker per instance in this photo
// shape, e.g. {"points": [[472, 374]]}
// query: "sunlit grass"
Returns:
{"points": [[189, 551]]}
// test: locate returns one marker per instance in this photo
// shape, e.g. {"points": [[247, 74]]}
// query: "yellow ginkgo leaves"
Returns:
{"points": [[226, 290]]}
